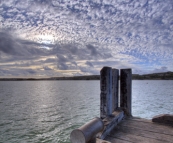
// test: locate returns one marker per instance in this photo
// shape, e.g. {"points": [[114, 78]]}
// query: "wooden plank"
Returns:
{"points": [[149, 126], [101, 141], [146, 121], [106, 92], [126, 90], [115, 87], [116, 140], [165, 117], [133, 138], [141, 130], [139, 119], [143, 133], [150, 121]]}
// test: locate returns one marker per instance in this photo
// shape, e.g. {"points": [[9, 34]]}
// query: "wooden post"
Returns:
{"points": [[115, 79], [126, 90], [106, 92]]}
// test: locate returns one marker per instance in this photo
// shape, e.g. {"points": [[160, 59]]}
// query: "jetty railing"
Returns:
{"points": [[114, 105]]}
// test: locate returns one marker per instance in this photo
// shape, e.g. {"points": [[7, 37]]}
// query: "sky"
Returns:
{"points": [[47, 38]]}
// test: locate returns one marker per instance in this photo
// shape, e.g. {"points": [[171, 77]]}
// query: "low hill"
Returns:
{"points": [[153, 76]]}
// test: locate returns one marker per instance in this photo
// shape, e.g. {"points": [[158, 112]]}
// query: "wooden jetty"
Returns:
{"points": [[136, 130], [116, 123]]}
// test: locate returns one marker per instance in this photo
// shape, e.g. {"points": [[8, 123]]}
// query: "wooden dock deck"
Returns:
{"points": [[137, 130]]}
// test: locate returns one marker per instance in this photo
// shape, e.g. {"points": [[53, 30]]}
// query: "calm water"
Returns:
{"points": [[47, 111]]}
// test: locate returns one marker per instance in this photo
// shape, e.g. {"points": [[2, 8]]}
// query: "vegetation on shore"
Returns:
{"points": [[153, 76]]}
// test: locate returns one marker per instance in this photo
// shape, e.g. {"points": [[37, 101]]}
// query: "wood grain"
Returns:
{"points": [[141, 130]]}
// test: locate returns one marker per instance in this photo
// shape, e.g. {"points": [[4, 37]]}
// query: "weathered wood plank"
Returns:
{"points": [[133, 138], [116, 140], [141, 130], [139, 119], [101, 141], [143, 133], [115, 87], [106, 92], [126, 90], [150, 121], [148, 126]]}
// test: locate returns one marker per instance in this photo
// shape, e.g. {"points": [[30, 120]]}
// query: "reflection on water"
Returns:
{"points": [[47, 111]]}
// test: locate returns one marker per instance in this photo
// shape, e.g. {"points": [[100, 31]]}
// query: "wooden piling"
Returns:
{"points": [[126, 91], [115, 86], [106, 92]]}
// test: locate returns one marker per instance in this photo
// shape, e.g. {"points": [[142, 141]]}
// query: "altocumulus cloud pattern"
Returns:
{"points": [[66, 37]]}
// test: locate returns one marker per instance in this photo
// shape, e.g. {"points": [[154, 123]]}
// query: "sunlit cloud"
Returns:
{"points": [[64, 38]]}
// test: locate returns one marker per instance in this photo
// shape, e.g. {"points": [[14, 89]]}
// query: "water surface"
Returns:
{"points": [[47, 111]]}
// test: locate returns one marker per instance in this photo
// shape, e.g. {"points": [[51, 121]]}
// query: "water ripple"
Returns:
{"points": [[47, 111]]}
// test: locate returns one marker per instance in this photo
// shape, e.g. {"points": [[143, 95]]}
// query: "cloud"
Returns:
{"points": [[50, 60], [89, 71], [17, 72], [46, 68], [159, 70], [139, 32], [62, 66], [31, 71], [62, 58], [11, 45], [89, 64], [66, 56], [92, 49]]}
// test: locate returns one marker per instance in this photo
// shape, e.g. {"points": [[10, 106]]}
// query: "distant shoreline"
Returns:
{"points": [[154, 76]]}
